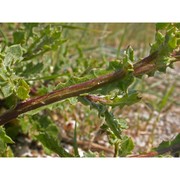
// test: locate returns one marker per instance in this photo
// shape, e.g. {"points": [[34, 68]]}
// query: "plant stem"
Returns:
{"points": [[67, 92], [142, 67]]}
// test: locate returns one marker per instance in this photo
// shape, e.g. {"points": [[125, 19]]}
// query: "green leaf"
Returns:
{"points": [[176, 140], [13, 130], [53, 144], [43, 129], [172, 41], [126, 146], [165, 43], [114, 65], [3, 75], [111, 121], [161, 26], [10, 83], [13, 54], [48, 134], [169, 146], [6, 90], [122, 123], [121, 101], [159, 37], [73, 100], [126, 63], [44, 123], [126, 82], [130, 53], [19, 37], [4, 140], [113, 124], [22, 92], [25, 125], [10, 101], [47, 39], [24, 84]]}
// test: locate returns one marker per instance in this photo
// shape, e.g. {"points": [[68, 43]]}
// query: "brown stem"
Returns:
{"points": [[144, 66], [61, 94], [150, 154], [85, 145]]}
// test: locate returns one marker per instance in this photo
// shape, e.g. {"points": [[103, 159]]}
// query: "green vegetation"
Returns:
{"points": [[51, 74]]}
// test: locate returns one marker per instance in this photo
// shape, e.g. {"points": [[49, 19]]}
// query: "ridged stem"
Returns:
{"points": [[144, 66]]}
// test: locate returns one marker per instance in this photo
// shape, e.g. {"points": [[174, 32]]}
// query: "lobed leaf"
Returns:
{"points": [[4, 140], [111, 121]]}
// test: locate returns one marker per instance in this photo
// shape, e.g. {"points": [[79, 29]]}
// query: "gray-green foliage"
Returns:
{"points": [[167, 40], [38, 56], [9, 81]]}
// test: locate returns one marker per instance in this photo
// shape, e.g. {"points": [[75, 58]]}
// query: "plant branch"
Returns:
{"points": [[85, 145], [144, 66]]}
